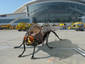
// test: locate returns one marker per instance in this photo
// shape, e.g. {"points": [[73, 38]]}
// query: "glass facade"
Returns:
{"points": [[56, 11], [23, 20], [16, 18], [17, 21], [5, 20]]}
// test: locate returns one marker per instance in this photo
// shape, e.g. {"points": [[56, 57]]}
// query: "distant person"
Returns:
{"points": [[65, 26]]}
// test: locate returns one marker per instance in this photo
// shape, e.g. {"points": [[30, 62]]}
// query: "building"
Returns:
{"points": [[13, 18], [52, 11]]}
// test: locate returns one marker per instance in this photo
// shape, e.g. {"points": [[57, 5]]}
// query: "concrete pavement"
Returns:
{"points": [[62, 54]]}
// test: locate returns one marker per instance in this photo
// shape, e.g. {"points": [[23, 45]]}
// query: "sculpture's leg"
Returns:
{"points": [[33, 53], [20, 44], [47, 42], [23, 51], [56, 35]]}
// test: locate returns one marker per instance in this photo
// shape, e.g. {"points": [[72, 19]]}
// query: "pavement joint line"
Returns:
{"points": [[80, 51], [5, 47]]}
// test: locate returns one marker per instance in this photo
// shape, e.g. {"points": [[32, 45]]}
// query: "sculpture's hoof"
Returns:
{"points": [[51, 47], [20, 56], [33, 58], [16, 47], [61, 39]]}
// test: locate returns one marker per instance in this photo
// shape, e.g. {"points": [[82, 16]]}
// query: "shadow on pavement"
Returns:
{"points": [[63, 49]]}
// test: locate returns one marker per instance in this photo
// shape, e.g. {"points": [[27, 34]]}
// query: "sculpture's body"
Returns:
{"points": [[36, 35]]}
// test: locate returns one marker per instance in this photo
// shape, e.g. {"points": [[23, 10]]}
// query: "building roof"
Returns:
{"points": [[21, 8]]}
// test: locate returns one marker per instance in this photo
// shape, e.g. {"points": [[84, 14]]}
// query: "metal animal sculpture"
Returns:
{"points": [[35, 36]]}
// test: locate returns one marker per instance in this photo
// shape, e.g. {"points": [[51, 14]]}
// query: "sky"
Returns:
{"points": [[9, 6]]}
